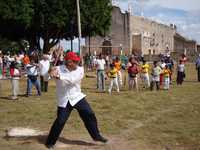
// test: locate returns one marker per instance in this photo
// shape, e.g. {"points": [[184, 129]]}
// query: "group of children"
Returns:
{"points": [[159, 75]]}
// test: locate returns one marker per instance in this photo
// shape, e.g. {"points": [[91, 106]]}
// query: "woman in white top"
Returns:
{"points": [[15, 76], [44, 65]]}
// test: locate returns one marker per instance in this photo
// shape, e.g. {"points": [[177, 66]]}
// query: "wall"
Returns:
{"points": [[118, 35], [155, 36]]}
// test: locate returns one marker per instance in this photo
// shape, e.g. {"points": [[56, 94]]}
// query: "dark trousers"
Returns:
{"points": [[157, 85], [198, 73], [180, 78], [44, 84], [32, 80], [86, 114]]}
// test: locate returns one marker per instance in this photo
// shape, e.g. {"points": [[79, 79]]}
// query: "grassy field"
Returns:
{"points": [[144, 120]]}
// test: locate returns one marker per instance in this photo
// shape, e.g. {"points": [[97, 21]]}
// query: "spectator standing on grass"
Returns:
{"points": [[156, 71], [26, 59], [180, 72], [112, 74], [32, 79], [117, 63], [166, 75], [44, 65], [100, 64], [68, 88], [145, 74], [94, 61], [107, 60], [170, 63], [133, 71], [162, 66], [198, 68], [15, 76]]}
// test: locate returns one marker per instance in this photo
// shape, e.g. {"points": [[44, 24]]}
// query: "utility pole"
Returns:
{"points": [[79, 27]]}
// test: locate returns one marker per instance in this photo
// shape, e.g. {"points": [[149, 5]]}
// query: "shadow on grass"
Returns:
{"points": [[4, 98], [42, 139]]}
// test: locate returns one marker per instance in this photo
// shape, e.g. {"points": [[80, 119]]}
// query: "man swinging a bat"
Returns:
{"points": [[68, 89]]}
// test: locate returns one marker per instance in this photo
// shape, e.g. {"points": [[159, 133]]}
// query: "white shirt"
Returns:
{"points": [[68, 88], [163, 65], [32, 70], [181, 67], [16, 73], [100, 64], [44, 67]]}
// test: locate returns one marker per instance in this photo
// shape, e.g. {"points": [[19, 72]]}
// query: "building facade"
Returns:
{"points": [[150, 37], [198, 49], [138, 35], [116, 40]]}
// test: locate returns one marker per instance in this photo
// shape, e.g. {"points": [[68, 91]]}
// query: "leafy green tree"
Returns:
{"points": [[15, 18], [96, 17], [52, 20]]}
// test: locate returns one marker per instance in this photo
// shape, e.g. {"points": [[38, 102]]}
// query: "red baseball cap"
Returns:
{"points": [[72, 56]]}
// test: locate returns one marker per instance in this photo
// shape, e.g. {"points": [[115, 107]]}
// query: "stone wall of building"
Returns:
{"points": [[184, 46], [118, 35], [137, 44], [156, 38], [198, 49]]}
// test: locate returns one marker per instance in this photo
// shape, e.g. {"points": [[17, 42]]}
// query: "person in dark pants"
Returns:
{"points": [[180, 73], [156, 71], [44, 76], [68, 89], [32, 72], [44, 84], [198, 67]]}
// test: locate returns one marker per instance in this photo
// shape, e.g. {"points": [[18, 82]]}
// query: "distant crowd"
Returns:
{"points": [[159, 75], [119, 70]]}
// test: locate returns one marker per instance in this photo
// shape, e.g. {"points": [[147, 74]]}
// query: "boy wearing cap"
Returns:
{"points": [[68, 88]]}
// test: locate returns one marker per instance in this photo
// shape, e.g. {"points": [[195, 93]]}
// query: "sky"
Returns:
{"points": [[184, 13]]}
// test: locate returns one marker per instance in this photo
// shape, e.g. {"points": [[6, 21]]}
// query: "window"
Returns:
{"points": [[149, 51], [154, 52]]}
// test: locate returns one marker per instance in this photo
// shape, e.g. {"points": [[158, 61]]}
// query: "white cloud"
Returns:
{"points": [[187, 5], [184, 13]]}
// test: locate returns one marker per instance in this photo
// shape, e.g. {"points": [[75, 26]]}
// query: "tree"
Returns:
{"points": [[52, 20], [15, 18], [96, 17], [49, 22]]}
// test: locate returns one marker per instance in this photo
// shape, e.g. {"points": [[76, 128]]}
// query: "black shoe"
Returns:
{"points": [[101, 139], [49, 146]]}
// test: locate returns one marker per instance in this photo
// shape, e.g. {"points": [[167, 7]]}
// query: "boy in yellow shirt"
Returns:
{"points": [[112, 74], [145, 74], [166, 75]]}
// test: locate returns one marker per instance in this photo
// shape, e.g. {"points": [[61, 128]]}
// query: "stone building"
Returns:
{"points": [[138, 35], [117, 39], [183, 45], [150, 37], [198, 49]]}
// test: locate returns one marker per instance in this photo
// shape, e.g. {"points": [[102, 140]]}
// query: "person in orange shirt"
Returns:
{"points": [[26, 60], [117, 65]]}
